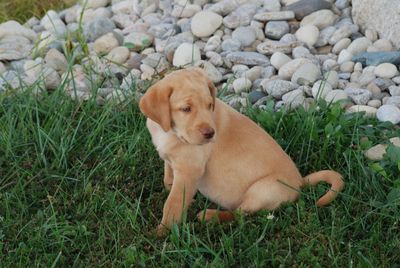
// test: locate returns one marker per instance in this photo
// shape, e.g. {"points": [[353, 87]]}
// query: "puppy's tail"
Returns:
{"points": [[328, 176]]}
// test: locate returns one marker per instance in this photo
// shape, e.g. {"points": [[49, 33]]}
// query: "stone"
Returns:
{"points": [[394, 90], [324, 36], [375, 103], [376, 58], [212, 72], [367, 110], [395, 100], [213, 43], [56, 60], [382, 45], [241, 84], [303, 8], [185, 11], [358, 95], [301, 52], [105, 43], [98, 27], [287, 70], [270, 46], [94, 3], [278, 59], [336, 95], [389, 113], [306, 74], [339, 34], [308, 34], [376, 153], [345, 56], [138, 41], [294, 98], [276, 29], [248, 58], [205, 23], [332, 78], [321, 19], [395, 141], [2, 68], [320, 89], [13, 28], [277, 88], [118, 55], [359, 45], [231, 45], [51, 78], [14, 47], [245, 35], [255, 96], [347, 67], [370, 14], [186, 54], [340, 45], [386, 70], [253, 74], [275, 15]]}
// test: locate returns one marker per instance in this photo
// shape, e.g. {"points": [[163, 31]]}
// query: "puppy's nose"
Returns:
{"points": [[207, 132]]}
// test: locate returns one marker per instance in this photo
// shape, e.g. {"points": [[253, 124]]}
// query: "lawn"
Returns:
{"points": [[81, 185]]}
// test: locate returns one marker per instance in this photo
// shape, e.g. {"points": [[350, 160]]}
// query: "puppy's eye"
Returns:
{"points": [[186, 109]]}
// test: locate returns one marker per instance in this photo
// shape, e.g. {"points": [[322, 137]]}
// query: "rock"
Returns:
{"points": [[205, 23], [98, 27], [276, 15], [118, 55], [276, 29], [2, 68], [345, 56], [245, 35], [359, 96], [94, 3], [320, 89], [347, 67], [14, 47], [376, 58], [13, 28], [185, 11], [105, 43], [51, 78], [287, 70], [386, 70], [332, 78], [301, 52], [117, 96], [394, 90], [382, 45], [369, 111], [294, 98], [255, 95], [359, 45], [321, 19], [270, 46], [306, 74], [186, 54], [336, 95], [213, 43], [340, 45], [303, 8], [248, 58], [277, 88], [395, 141], [376, 152], [137, 41], [324, 36], [231, 45], [395, 100], [308, 34], [339, 34], [388, 113], [278, 59], [253, 74], [212, 72], [56, 60], [375, 103], [370, 14], [241, 84]]}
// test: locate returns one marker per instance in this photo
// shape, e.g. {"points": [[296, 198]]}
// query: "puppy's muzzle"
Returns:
{"points": [[208, 132]]}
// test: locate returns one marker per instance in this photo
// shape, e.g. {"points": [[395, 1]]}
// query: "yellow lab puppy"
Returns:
{"points": [[209, 147]]}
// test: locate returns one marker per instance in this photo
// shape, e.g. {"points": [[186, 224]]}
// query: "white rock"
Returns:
{"points": [[321, 18], [212, 72], [340, 45], [306, 74], [294, 98], [105, 43], [14, 28], [344, 56], [241, 84], [388, 113], [308, 34], [359, 45], [386, 70], [332, 78], [287, 70], [278, 59], [94, 3], [245, 35], [119, 55], [186, 54], [336, 96], [369, 111], [320, 89], [56, 60], [376, 152], [375, 103], [205, 23]]}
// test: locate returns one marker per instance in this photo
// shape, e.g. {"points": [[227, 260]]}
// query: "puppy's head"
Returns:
{"points": [[183, 102]]}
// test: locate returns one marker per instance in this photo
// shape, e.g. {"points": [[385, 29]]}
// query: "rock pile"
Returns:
{"points": [[290, 51]]}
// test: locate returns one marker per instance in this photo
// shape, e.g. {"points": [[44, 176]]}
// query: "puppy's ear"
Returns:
{"points": [[213, 90], [155, 104]]}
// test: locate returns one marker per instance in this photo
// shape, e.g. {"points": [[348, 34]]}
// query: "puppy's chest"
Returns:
{"points": [[163, 141]]}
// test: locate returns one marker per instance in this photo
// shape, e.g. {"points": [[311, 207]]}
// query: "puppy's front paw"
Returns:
{"points": [[161, 231]]}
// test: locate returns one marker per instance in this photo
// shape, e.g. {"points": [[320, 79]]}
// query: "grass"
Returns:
{"points": [[81, 185], [22, 10]]}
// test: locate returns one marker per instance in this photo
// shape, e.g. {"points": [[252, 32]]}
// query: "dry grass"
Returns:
{"points": [[22, 10]]}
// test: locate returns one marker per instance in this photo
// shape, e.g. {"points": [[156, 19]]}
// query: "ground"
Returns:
{"points": [[82, 185]]}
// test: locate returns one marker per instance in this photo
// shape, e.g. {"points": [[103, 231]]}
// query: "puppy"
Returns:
{"points": [[209, 147]]}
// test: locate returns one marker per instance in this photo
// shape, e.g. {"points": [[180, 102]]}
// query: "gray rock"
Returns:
{"points": [[395, 100], [275, 15], [98, 27], [269, 47], [376, 58], [376, 153], [248, 58], [383, 83], [14, 47], [359, 96], [276, 29], [241, 84], [303, 8], [306, 74], [277, 88], [245, 35], [56, 60], [137, 41], [231, 45], [255, 96], [389, 113], [294, 98], [13, 28]]}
